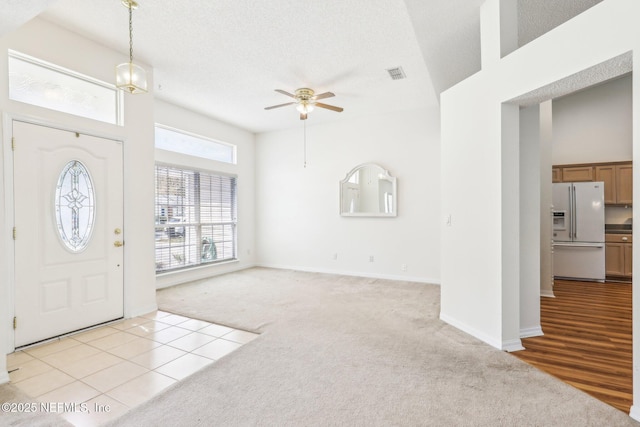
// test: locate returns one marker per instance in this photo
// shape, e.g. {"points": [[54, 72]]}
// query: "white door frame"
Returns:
{"points": [[7, 283]]}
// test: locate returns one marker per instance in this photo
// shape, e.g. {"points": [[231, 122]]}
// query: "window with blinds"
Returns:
{"points": [[195, 218]]}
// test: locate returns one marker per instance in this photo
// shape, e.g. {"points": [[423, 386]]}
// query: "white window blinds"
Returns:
{"points": [[195, 218]]}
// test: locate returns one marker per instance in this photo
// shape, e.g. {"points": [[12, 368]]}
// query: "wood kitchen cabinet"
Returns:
{"points": [[624, 184], [628, 260], [577, 173], [618, 255], [617, 178], [618, 187]]}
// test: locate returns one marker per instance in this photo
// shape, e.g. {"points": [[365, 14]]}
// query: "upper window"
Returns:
{"points": [[40, 83], [193, 145]]}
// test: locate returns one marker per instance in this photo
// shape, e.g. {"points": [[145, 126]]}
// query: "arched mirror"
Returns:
{"points": [[368, 190]]}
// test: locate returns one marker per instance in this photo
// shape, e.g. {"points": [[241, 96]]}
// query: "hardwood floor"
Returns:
{"points": [[587, 339]]}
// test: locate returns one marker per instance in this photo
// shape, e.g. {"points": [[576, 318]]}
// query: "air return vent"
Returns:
{"points": [[396, 73]]}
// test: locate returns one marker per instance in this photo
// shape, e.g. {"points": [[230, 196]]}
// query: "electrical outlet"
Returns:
{"points": [[449, 220], [370, 258], [404, 267], [335, 256]]}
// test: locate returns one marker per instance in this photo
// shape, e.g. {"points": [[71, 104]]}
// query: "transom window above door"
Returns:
{"points": [[37, 82]]}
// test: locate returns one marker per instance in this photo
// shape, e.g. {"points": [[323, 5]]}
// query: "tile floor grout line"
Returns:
{"points": [[173, 371]]}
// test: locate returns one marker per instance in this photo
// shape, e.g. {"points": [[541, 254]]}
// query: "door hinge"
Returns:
{"points": [[13, 143], [14, 233], [15, 322]]}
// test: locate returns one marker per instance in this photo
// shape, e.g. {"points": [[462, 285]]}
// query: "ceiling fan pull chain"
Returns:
{"points": [[305, 143]]}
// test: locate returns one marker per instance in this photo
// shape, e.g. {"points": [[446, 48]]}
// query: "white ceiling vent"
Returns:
{"points": [[397, 73]]}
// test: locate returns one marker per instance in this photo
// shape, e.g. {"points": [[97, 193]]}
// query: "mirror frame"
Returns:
{"points": [[387, 176]]}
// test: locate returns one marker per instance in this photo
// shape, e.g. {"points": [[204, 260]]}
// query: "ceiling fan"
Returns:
{"points": [[306, 100]]}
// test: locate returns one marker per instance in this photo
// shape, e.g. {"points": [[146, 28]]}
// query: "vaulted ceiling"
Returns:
{"points": [[225, 58]]}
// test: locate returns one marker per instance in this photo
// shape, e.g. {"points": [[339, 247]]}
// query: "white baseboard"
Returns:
{"points": [[512, 345], [506, 345], [547, 293], [139, 311], [172, 278], [635, 412], [531, 332], [352, 273], [471, 331], [4, 377]]}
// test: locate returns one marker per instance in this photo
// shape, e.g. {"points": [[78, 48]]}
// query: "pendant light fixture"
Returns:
{"points": [[131, 77]]}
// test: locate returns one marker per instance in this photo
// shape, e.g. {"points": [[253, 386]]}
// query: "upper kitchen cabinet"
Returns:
{"points": [[577, 173], [618, 185], [617, 178], [624, 179]]}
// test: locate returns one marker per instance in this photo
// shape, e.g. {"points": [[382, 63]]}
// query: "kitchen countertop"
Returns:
{"points": [[618, 228]]}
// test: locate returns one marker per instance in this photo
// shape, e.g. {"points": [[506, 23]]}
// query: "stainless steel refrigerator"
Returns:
{"points": [[578, 230]]}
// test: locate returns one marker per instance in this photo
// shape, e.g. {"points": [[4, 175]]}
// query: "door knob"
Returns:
{"points": [[117, 243]]}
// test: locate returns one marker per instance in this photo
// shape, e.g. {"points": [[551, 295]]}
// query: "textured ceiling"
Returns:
{"points": [[225, 58], [611, 69], [13, 13]]}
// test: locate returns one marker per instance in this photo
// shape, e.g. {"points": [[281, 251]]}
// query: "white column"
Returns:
{"points": [[546, 138], [498, 30], [635, 408], [530, 262], [510, 212]]}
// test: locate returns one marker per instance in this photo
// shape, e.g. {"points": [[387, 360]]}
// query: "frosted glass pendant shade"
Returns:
{"points": [[131, 78]]}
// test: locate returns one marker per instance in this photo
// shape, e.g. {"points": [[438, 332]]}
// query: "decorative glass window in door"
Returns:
{"points": [[75, 206]]}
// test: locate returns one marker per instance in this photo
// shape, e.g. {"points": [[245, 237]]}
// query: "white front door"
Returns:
{"points": [[68, 231]]}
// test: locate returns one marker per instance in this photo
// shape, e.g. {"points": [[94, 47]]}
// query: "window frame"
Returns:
{"points": [[118, 94], [199, 224], [233, 147]]}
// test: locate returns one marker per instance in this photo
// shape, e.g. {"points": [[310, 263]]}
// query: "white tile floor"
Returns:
{"points": [[121, 365]]}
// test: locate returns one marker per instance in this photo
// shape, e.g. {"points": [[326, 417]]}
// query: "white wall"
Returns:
{"points": [[473, 290], [185, 120], [530, 183], [594, 124], [298, 220], [471, 131], [43, 40]]}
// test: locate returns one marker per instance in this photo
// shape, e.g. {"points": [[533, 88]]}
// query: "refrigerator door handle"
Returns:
{"points": [[570, 216], [575, 214], [580, 245]]}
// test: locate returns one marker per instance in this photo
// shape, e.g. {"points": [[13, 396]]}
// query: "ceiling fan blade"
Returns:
{"points": [[324, 95], [284, 92], [279, 105], [329, 107], [303, 116]]}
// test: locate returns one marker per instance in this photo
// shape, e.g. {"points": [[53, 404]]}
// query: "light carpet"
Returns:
{"points": [[350, 351]]}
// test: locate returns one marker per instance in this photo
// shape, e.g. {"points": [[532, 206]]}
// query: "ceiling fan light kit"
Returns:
{"points": [[306, 101]]}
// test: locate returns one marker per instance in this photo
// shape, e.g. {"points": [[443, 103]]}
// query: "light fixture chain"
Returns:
{"points": [[130, 33], [305, 142]]}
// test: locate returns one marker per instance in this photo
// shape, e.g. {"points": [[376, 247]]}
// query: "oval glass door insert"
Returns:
{"points": [[75, 206]]}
